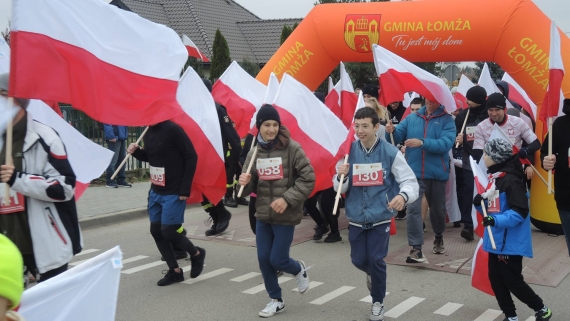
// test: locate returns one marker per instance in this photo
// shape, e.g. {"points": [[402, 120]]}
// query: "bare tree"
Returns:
{"points": [[6, 33]]}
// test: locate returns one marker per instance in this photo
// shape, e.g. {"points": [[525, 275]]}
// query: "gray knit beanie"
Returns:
{"points": [[4, 82], [499, 150]]}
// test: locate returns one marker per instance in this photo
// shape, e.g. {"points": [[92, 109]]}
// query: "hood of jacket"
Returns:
{"points": [[504, 86]]}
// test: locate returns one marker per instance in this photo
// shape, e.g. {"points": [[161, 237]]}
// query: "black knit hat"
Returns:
{"points": [[477, 94], [371, 90], [496, 100], [499, 150], [265, 113]]}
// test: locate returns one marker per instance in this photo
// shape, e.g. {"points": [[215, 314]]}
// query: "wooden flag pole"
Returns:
{"points": [[464, 123], [248, 169], [9, 138], [540, 176], [128, 155], [549, 185], [491, 238], [337, 198]]}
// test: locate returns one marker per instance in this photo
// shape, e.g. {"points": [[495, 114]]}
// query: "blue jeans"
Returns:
{"points": [[273, 243], [565, 219], [368, 248], [120, 150]]}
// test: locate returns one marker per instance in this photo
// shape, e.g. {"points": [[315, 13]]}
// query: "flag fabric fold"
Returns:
{"points": [[348, 98], [332, 100], [552, 103], [88, 292], [271, 92], [193, 50], [124, 71], [319, 132], [200, 122], [241, 94], [464, 85], [398, 76], [519, 95]]}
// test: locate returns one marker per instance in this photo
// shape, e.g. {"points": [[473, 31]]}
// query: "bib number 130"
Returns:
{"points": [[367, 174]]}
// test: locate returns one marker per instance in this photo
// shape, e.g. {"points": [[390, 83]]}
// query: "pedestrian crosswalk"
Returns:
{"points": [[137, 264]]}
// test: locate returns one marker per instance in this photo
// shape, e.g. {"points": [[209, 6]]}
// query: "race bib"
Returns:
{"points": [[157, 176], [470, 132], [367, 174], [270, 169], [17, 201], [494, 203]]}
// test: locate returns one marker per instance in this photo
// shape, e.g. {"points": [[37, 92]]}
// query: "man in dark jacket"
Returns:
{"points": [[116, 137], [559, 162], [476, 113]]}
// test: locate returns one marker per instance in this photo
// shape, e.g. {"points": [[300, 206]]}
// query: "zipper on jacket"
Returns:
{"points": [[54, 225], [270, 192]]}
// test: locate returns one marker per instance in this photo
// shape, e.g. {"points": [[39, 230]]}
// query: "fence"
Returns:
{"points": [[93, 130]]}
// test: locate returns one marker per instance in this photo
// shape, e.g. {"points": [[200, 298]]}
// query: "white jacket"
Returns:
{"points": [[48, 183]]}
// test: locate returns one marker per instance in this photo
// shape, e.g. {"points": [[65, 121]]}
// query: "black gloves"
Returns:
{"points": [[477, 200], [523, 153], [488, 221]]}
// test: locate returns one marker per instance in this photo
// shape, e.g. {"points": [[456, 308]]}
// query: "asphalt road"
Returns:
{"points": [[229, 288]]}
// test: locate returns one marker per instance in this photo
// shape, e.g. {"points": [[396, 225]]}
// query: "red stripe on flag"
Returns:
{"points": [[480, 270], [517, 97], [394, 83], [347, 106], [331, 101], [239, 110], [52, 70]]}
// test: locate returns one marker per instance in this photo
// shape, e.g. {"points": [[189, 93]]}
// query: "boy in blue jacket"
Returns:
{"points": [[378, 180], [507, 208]]}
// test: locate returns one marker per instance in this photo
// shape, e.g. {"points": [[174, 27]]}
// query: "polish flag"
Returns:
{"points": [[332, 100], [313, 126], [270, 94], [124, 71], [464, 85], [398, 76], [348, 98], [480, 263], [241, 94], [193, 50], [200, 122], [331, 85], [517, 94], [552, 103]]}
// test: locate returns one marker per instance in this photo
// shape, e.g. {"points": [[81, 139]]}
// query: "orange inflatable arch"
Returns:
{"points": [[513, 33]]}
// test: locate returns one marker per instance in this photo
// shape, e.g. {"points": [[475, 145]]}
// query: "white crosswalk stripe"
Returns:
{"points": [[129, 260], [143, 267], [245, 277], [448, 309], [332, 295], [312, 285], [403, 307], [208, 275], [368, 299], [489, 315], [261, 287], [87, 252], [531, 318]]}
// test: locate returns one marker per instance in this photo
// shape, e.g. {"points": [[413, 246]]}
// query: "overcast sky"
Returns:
{"points": [[558, 10]]}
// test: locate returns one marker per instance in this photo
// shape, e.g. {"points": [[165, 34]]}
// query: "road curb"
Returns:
{"points": [[112, 218]]}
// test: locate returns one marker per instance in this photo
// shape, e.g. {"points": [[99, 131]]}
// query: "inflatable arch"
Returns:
{"points": [[512, 33]]}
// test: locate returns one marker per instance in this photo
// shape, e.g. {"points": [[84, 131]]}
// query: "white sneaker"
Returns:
{"points": [[302, 278], [272, 308], [377, 313]]}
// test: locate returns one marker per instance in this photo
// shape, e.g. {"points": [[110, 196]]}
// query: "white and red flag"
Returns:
{"points": [[348, 98], [552, 103], [270, 94], [331, 85], [314, 126], [398, 76], [480, 263], [464, 85], [193, 50], [123, 71], [200, 122], [518, 95], [241, 94], [332, 100]]}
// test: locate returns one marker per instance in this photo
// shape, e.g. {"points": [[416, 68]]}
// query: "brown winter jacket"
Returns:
{"points": [[295, 187]]}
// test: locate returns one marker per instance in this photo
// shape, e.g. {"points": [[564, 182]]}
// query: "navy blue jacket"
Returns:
{"points": [[115, 132]]}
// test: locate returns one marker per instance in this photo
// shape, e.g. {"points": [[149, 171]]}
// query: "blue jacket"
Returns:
{"points": [[369, 205], [115, 132], [430, 161], [512, 223]]}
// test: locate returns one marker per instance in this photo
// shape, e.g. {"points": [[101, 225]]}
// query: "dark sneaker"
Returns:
{"points": [[230, 202], [377, 313], [178, 255], [171, 277], [543, 315], [124, 184], [112, 185], [223, 221], [319, 232], [211, 231], [333, 237], [401, 215], [456, 224], [241, 201], [197, 263], [467, 233], [305, 211], [416, 256], [438, 246], [272, 308]]}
